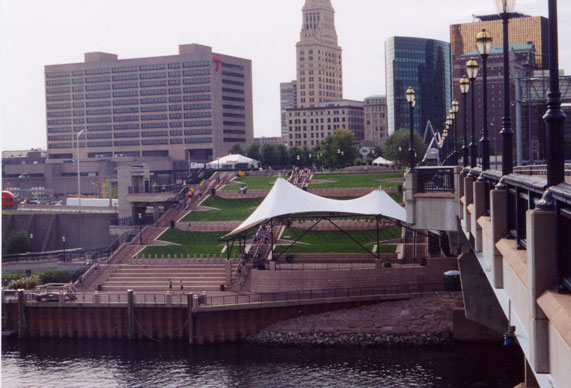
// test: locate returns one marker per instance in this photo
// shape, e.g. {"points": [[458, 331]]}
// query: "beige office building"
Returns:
{"points": [[192, 106], [376, 129], [308, 126]]}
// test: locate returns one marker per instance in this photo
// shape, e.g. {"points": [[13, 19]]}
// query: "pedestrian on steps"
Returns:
{"points": [[181, 285], [170, 284]]}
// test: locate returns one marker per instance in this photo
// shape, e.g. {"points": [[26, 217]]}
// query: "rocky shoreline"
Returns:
{"points": [[344, 339], [419, 321]]}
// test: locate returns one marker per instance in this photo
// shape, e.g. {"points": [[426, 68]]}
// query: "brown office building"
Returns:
{"points": [[522, 29], [376, 129], [192, 106]]}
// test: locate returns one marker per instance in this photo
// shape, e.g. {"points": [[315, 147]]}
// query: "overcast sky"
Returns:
{"points": [[35, 33]]}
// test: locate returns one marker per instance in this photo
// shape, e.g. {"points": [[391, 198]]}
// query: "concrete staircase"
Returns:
{"points": [[155, 277]]}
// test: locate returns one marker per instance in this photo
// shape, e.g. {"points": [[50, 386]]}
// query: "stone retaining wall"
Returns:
{"points": [[339, 192], [418, 321]]}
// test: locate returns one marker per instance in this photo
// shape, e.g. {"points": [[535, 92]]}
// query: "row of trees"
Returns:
{"points": [[335, 151]]}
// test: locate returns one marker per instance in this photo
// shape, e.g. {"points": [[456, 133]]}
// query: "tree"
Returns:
{"points": [[17, 242], [105, 190], [337, 150], [253, 152], [236, 149], [269, 153], [396, 147]]}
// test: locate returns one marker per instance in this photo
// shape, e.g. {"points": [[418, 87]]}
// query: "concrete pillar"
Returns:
{"points": [[498, 215], [461, 193], [468, 199], [541, 275], [96, 297], [479, 209], [130, 315], [190, 304], [410, 202], [3, 296], [168, 298], [21, 314]]}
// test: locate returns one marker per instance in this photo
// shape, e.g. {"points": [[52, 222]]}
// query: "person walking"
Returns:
{"points": [[181, 285], [170, 284]]}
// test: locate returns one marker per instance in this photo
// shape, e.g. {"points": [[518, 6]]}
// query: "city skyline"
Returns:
{"points": [[262, 31]]}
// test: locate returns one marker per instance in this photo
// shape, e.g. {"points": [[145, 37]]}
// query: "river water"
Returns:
{"points": [[48, 363]]}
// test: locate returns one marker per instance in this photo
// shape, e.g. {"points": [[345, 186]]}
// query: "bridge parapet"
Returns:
{"points": [[523, 245]]}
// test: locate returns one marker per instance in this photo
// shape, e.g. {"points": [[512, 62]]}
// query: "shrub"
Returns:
{"points": [[17, 242]]}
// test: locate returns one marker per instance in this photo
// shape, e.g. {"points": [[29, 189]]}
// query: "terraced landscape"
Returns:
{"points": [[224, 209], [336, 181], [253, 183]]}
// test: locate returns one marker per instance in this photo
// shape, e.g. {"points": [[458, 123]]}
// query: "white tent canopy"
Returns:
{"points": [[285, 198], [382, 161], [233, 160]]}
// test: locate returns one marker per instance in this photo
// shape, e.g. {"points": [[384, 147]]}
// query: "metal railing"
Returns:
{"points": [[523, 192], [435, 179], [181, 297], [288, 296], [325, 266]]}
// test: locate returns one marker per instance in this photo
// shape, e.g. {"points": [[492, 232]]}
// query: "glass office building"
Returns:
{"points": [[424, 65]]}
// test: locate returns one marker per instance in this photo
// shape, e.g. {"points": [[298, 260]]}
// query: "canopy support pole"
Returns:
{"points": [[378, 240], [272, 238], [351, 237], [297, 239]]}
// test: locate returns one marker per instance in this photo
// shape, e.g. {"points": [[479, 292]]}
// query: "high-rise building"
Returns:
{"points": [[522, 64], [319, 107], [288, 99], [319, 64], [375, 110], [424, 65], [521, 28], [192, 106]]}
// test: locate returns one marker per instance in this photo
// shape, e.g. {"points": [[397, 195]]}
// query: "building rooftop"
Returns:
{"points": [[499, 49]]}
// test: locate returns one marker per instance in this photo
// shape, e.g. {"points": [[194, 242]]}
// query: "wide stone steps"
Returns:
{"points": [[155, 277]]}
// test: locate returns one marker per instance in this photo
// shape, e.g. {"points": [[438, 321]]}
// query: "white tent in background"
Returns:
{"points": [[380, 161], [233, 161], [285, 198]]}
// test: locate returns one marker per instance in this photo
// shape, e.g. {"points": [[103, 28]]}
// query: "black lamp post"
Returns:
{"points": [[464, 89], [448, 144], [411, 99], [505, 9], [454, 111], [63, 242], [554, 117], [472, 70], [484, 45]]}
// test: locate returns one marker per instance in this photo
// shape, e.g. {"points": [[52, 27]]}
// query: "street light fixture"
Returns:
{"points": [[505, 9], [464, 89], [484, 46], [411, 99], [472, 70], [78, 176]]}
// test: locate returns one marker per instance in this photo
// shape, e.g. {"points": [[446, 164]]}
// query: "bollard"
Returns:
{"points": [[130, 314], [61, 297], [96, 297], [168, 298]]}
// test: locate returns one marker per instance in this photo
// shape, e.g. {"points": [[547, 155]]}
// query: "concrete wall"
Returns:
{"points": [[81, 230], [284, 280]]}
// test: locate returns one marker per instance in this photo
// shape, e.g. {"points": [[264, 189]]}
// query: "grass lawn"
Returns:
{"points": [[337, 242], [356, 180], [253, 183], [190, 243], [230, 209], [397, 197]]}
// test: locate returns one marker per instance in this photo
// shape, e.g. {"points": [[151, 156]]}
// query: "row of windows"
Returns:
{"points": [[232, 82], [126, 69]]}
